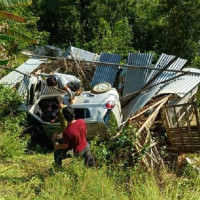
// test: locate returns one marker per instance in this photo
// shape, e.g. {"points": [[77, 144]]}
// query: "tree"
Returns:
{"points": [[9, 33], [181, 33], [93, 25], [17, 32]]}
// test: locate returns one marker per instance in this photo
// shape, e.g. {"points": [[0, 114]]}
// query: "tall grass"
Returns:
{"points": [[35, 177], [166, 186]]}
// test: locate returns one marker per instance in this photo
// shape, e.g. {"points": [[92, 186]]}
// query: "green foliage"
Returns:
{"points": [[121, 26], [3, 62], [11, 144], [34, 177], [12, 3], [164, 185], [23, 32], [115, 40], [196, 62], [117, 151]]}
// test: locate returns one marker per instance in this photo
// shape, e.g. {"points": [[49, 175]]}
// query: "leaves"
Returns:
{"points": [[11, 3], [6, 37], [3, 62], [20, 36], [8, 15]]}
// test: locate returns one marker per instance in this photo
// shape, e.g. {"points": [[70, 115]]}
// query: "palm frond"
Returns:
{"points": [[11, 3], [20, 36], [9, 15], [6, 38]]}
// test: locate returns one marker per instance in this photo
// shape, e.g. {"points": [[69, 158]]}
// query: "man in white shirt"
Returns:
{"points": [[65, 82]]}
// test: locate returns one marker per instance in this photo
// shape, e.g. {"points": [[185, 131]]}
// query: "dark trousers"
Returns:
{"points": [[74, 86], [61, 154]]}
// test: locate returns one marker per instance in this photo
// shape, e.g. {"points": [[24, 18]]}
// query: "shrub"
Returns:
{"points": [[116, 151], [11, 125]]}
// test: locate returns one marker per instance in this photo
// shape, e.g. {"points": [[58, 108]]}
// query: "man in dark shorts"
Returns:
{"points": [[74, 138]]}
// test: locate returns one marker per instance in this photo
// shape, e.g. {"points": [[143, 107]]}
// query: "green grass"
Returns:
{"points": [[36, 177], [33, 176]]}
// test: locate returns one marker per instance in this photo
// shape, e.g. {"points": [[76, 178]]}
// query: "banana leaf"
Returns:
{"points": [[6, 38], [20, 36], [9, 15], [11, 3]]}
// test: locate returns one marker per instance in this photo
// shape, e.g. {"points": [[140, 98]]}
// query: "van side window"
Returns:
{"points": [[81, 113]]}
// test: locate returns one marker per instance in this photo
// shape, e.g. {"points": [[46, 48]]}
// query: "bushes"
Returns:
{"points": [[11, 144], [116, 151]]}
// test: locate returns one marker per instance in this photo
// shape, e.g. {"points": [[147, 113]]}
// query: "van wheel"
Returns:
{"points": [[101, 87]]}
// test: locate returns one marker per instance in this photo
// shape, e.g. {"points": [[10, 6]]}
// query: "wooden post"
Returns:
{"points": [[189, 128]]}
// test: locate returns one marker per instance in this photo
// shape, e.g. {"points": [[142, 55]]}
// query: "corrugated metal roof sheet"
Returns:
{"points": [[163, 60], [106, 73], [138, 102], [80, 54], [141, 99], [13, 77], [48, 50], [135, 77], [176, 65], [46, 90], [182, 85], [26, 83], [24, 86]]}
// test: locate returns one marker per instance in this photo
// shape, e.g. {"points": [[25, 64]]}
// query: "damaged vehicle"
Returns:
{"points": [[95, 107]]}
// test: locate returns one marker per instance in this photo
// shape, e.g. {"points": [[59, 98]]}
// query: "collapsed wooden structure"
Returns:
{"points": [[182, 127]]}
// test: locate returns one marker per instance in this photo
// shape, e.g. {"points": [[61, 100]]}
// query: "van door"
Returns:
{"points": [[50, 129]]}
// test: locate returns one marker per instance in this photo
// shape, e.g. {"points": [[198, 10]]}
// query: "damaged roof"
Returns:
{"points": [[27, 67], [80, 54], [183, 85], [138, 77]]}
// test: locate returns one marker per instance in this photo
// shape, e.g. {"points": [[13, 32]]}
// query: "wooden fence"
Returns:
{"points": [[182, 126]]}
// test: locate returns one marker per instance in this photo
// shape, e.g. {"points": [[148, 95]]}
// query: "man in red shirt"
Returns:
{"points": [[74, 137]]}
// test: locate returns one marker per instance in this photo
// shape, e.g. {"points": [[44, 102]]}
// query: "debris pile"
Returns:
{"points": [[153, 98], [70, 67]]}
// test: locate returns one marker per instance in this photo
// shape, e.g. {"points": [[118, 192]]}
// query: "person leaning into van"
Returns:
{"points": [[65, 82], [74, 138]]}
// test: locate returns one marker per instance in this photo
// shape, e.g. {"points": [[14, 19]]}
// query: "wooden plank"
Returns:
{"points": [[197, 117], [147, 124], [179, 105], [166, 123], [188, 124], [145, 110], [178, 128]]}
